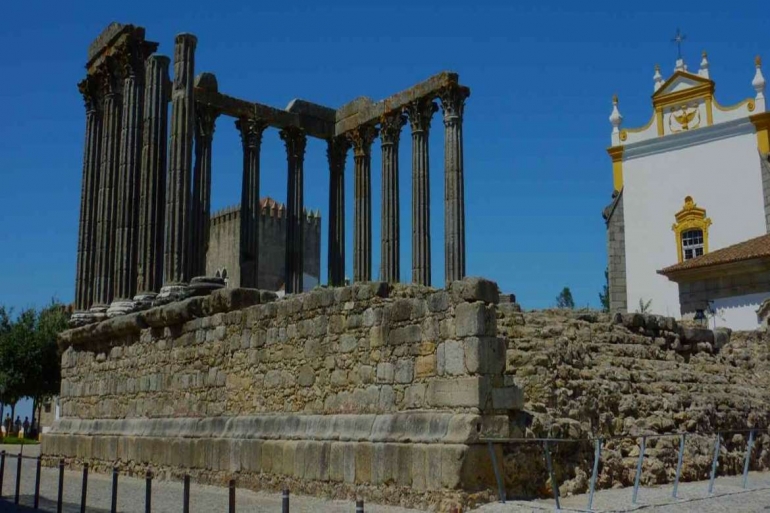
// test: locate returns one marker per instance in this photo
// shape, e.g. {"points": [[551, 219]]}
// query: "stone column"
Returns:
{"points": [[107, 196], [177, 229], [295, 141], [453, 103], [152, 195], [420, 114], [361, 139], [88, 196], [205, 120], [336, 152], [251, 137], [390, 134], [127, 236]]}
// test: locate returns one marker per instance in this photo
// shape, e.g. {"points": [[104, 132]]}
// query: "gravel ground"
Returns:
{"points": [[729, 496]]}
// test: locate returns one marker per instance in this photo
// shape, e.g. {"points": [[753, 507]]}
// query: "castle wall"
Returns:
{"points": [[224, 248], [349, 390]]}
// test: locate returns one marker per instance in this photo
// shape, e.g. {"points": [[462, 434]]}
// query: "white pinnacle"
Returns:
{"points": [[657, 78], [704, 66], [615, 119]]}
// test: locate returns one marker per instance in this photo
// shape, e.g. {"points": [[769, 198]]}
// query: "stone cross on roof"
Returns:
{"points": [[679, 39]]}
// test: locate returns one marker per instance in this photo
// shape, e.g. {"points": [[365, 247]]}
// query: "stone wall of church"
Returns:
{"points": [[616, 254]]}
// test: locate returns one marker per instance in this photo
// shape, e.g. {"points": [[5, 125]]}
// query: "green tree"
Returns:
{"points": [[564, 299], [43, 376], [644, 306], [604, 295], [14, 361]]}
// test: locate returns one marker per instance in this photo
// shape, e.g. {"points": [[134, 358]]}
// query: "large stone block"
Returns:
{"points": [[471, 320], [470, 392], [475, 289]]}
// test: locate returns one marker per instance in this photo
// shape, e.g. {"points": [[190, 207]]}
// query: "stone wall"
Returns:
{"points": [[616, 253], [587, 374], [371, 389]]}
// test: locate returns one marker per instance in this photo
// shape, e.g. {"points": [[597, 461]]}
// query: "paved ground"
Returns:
{"points": [[728, 496]]}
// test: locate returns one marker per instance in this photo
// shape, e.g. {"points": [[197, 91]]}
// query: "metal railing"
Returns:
{"points": [[598, 444], [285, 502]]}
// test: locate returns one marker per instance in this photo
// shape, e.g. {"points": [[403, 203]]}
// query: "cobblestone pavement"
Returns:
{"points": [[729, 496]]}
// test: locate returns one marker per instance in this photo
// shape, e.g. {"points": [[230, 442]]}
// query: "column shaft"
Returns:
{"points": [[88, 198], [177, 229], [107, 196], [390, 134], [251, 136], [152, 197], [127, 234], [361, 139], [453, 102], [337, 153], [205, 119], [420, 113], [295, 141]]}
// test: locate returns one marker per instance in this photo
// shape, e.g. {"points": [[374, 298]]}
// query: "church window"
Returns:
{"points": [[691, 230]]}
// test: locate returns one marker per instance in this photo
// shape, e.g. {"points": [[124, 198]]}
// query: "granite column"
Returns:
{"points": [[177, 229], [420, 114], [361, 139], [295, 141], [107, 196], [453, 103], [152, 195], [390, 134], [336, 152], [88, 196], [205, 119], [251, 130], [127, 236]]}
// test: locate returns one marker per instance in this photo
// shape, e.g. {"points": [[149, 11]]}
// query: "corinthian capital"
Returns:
{"points": [[337, 150], [390, 127], [295, 140], [420, 113], [251, 131], [205, 120], [361, 139], [89, 88], [453, 102]]}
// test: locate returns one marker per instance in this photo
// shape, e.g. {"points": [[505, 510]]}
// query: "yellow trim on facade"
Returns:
{"points": [[659, 117], [616, 154], [693, 93], [690, 217], [749, 102], [710, 110], [762, 124]]}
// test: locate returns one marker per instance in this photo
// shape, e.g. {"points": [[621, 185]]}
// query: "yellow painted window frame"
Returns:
{"points": [[691, 217]]}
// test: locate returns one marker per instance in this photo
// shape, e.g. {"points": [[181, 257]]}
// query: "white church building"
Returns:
{"points": [[692, 181]]}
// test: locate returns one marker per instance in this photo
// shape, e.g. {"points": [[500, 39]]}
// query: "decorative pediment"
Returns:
{"points": [[682, 81]]}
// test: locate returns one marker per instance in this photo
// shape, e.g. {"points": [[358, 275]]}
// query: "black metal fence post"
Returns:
{"points": [[186, 494], [148, 492], [360, 506], [84, 493], [18, 479], [60, 495], [2, 471], [285, 501], [37, 482], [114, 500], [231, 486]]}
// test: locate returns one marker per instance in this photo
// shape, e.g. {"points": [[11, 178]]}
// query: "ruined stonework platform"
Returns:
{"points": [[375, 390]]}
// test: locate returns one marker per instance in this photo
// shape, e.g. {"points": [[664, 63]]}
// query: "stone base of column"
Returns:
{"points": [[98, 312], [120, 307], [205, 285], [143, 300], [170, 293], [81, 318]]}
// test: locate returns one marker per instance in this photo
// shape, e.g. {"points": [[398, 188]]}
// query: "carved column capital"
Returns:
{"points": [[390, 127], [295, 140], [361, 139], [420, 113], [453, 102], [110, 76], [89, 88], [251, 131], [205, 121], [336, 151]]}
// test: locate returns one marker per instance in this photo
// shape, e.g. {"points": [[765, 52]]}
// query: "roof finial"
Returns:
{"points": [[657, 78], [704, 66], [759, 85], [615, 119], [679, 39]]}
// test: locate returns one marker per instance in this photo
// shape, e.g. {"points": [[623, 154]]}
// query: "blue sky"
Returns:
{"points": [[542, 76]]}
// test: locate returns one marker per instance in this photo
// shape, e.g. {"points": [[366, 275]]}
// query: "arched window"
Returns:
{"points": [[691, 230]]}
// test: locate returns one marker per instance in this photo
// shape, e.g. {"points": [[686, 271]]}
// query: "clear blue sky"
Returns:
{"points": [[542, 76]]}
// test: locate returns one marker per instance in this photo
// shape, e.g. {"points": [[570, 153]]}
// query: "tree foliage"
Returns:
{"points": [[564, 299]]}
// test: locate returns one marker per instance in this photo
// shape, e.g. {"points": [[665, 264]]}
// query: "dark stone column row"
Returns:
{"points": [[295, 141], [84, 276], [178, 193], [361, 139], [336, 152], [152, 196], [251, 137], [390, 134]]}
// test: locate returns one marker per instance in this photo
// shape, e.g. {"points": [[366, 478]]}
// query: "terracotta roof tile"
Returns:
{"points": [[752, 248]]}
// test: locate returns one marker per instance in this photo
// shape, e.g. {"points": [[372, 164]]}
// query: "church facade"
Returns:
{"points": [[691, 181]]}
